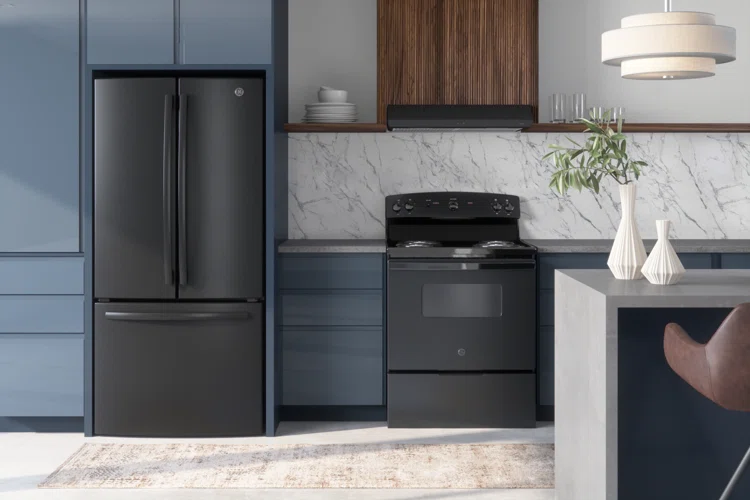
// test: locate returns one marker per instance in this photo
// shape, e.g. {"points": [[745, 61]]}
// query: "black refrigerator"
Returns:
{"points": [[178, 256]]}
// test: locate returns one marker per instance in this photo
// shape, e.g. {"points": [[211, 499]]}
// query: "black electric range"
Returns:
{"points": [[461, 312]]}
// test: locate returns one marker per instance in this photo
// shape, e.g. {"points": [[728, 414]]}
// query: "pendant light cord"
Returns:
{"points": [[667, 5]]}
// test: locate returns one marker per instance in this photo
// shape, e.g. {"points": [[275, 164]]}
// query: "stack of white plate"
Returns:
{"points": [[330, 112]]}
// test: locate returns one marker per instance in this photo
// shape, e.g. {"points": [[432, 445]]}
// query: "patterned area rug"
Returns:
{"points": [[307, 466]]}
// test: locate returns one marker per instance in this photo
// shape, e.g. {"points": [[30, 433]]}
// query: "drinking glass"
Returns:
{"points": [[577, 107], [617, 113], [557, 108], [597, 114]]}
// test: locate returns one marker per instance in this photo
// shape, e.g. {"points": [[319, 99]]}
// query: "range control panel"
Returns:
{"points": [[452, 205]]}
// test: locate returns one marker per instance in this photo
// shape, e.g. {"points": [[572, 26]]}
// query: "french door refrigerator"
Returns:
{"points": [[178, 256]]}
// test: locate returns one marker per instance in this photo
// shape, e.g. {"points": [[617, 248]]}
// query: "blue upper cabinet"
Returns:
{"points": [[39, 181], [130, 31], [226, 31]]}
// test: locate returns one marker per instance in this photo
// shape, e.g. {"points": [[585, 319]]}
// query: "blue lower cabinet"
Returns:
{"points": [[332, 366], [696, 260], [41, 375], [334, 308], [41, 275], [330, 272], [546, 372], [41, 314], [735, 261]]}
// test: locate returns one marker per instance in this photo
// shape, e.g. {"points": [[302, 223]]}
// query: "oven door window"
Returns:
{"points": [[457, 300]]}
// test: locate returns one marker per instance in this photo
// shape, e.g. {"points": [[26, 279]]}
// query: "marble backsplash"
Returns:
{"points": [[338, 182]]}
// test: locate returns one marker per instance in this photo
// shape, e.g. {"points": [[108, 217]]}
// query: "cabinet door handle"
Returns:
{"points": [[166, 316]]}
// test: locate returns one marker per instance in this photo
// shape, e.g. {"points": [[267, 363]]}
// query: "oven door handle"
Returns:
{"points": [[462, 266]]}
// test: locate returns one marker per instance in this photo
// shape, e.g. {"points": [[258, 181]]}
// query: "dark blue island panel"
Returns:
{"points": [[672, 441], [332, 336]]}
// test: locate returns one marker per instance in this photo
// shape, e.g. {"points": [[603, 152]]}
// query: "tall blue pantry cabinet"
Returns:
{"points": [[51, 49]]}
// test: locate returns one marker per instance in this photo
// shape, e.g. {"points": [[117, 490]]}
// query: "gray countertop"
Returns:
{"points": [[604, 246], [698, 288], [544, 246], [332, 246]]}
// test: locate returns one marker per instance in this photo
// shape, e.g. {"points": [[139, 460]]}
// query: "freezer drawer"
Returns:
{"points": [[456, 400], [178, 370]]}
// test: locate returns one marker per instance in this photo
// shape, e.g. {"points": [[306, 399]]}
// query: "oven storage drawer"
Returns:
{"points": [[481, 400]]}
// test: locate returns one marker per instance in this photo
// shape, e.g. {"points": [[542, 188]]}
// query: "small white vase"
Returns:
{"points": [[628, 253], [663, 266]]}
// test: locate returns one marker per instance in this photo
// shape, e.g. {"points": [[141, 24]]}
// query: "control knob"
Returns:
{"points": [[397, 207], [409, 206], [496, 206], [509, 207], [453, 205]]}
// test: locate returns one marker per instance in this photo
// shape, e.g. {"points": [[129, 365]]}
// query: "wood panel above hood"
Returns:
{"points": [[458, 52]]}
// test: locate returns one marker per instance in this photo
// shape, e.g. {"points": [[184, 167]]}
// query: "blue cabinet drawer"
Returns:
{"points": [[352, 308], [735, 261], [326, 271], [41, 375], [226, 31], [41, 314], [130, 31], [547, 365], [41, 275], [549, 262], [696, 260], [333, 366]]}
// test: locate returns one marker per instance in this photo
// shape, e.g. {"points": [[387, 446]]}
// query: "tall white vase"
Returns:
{"points": [[663, 266], [628, 253]]}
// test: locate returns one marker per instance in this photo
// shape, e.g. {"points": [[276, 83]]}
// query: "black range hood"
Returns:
{"points": [[445, 117]]}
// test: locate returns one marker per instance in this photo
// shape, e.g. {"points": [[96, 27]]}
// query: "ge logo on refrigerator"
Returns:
{"points": [[239, 91]]}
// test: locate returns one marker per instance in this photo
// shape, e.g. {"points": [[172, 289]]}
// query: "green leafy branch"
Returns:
{"points": [[604, 154]]}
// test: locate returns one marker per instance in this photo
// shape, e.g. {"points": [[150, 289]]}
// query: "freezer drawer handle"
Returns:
{"points": [[167, 190], [161, 316], [182, 181]]}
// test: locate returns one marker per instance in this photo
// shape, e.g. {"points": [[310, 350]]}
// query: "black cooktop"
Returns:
{"points": [[449, 225]]}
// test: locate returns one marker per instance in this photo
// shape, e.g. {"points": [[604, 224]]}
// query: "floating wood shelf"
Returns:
{"points": [[645, 127], [550, 128], [334, 127]]}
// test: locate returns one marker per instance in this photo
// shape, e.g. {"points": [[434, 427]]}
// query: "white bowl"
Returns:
{"points": [[332, 95]]}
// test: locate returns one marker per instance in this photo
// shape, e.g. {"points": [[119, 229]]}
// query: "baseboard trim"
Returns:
{"points": [[41, 424], [545, 413], [333, 413]]}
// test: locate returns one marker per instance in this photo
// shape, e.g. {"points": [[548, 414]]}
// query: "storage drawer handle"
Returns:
{"points": [[158, 316]]}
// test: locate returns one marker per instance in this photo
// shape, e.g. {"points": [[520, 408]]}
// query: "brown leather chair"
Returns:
{"points": [[720, 369]]}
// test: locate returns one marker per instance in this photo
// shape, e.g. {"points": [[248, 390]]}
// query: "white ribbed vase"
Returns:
{"points": [[663, 266], [628, 253]]}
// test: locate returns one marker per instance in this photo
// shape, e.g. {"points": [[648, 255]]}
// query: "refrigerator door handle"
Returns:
{"points": [[166, 316], [182, 182], [167, 161]]}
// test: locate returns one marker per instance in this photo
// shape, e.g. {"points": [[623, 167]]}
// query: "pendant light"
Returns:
{"points": [[669, 45]]}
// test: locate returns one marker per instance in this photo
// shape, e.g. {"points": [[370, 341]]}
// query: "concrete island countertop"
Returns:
{"points": [[544, 246], [613, 385]]}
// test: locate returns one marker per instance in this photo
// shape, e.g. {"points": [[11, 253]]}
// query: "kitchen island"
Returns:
{"points": [[626, 426]]}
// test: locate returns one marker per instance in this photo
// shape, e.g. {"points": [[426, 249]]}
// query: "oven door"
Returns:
{"points": [[461, 316]]}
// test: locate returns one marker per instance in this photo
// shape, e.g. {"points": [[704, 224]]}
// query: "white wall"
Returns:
{"points": [[570, 61], [334, 42]]}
